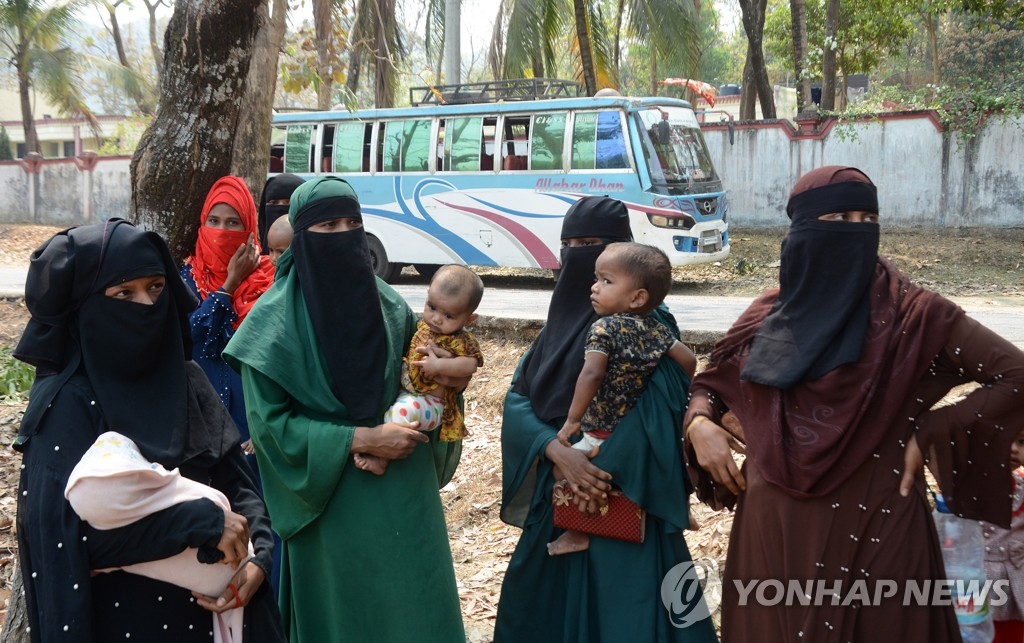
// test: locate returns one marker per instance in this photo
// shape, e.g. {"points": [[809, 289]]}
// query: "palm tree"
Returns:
{"points": [[32, 36], [536, 28], [375, 43]]}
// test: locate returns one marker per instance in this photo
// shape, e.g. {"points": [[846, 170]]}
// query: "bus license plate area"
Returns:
{"points": [[709, 241]]}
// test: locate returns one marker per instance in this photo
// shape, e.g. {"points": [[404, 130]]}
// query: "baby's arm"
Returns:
{"points": [[595, 367], [436, 362], [683, 356]]}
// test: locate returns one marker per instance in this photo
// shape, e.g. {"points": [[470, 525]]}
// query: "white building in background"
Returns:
{"points": [[728, 107], [59, 137]]}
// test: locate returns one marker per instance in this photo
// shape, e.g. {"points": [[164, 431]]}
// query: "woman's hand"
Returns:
{"points": [[913, 465], [234, 541], [392, 440], [241, 265], [248, 448], [714, 446], [238, 594], [588, 482]]}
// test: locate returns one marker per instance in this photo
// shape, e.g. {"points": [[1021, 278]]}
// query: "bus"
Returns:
{"points": [[488, 183]]}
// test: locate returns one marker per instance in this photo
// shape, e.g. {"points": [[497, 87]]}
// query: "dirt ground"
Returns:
{"points": [[952, 262]]}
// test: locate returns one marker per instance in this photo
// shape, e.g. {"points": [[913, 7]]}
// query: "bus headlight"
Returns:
{"points": [[682, 222]]}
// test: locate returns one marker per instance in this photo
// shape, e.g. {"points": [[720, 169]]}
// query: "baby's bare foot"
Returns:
{"points": [[569, 543], [372, 463]]}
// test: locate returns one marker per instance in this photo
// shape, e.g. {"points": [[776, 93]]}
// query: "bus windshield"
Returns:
{"points": [[674, 148]]}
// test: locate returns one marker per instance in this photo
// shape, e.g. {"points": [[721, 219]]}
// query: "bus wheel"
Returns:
{"points": [[379, 259], [426, 270]]}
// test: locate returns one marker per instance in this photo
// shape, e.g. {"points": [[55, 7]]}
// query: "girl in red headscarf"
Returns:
{"points": [[228, 273]]}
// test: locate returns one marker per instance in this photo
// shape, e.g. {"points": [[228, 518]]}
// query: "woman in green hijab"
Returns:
{"points": [[366, 557]]}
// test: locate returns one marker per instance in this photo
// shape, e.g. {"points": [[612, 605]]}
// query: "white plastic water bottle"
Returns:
{"points": [[963, 552]]}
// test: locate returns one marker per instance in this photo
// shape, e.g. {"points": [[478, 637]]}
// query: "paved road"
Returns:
{"points": [[703, 319]]}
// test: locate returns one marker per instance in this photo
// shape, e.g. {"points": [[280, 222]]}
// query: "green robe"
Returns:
{"points": [[611, 592], [366, 557]]}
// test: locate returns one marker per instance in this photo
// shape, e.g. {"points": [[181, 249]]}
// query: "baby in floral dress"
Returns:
{"points": [[441, 348]]}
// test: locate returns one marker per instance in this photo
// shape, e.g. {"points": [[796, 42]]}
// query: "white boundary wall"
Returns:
{"points": [[925, 176]]}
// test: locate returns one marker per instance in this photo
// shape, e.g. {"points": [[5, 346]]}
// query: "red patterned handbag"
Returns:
{"points": [[621, 518]]}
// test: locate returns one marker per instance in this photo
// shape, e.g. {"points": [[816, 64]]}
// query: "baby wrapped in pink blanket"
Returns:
{"points": [[113, 485]]}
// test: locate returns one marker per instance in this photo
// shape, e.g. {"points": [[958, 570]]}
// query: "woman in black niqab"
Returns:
{"points": [[104, 363], [556, 358]]}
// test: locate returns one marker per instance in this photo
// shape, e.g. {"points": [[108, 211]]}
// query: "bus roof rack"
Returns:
{"points": [[493, 91]]}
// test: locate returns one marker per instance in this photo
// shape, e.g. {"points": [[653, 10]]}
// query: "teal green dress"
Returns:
{"points": [[366, 557], [611, 592]]}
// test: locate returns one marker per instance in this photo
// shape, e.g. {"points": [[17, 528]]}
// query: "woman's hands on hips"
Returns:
{"points": [[714, 446], [392, 440], [238, 593]]}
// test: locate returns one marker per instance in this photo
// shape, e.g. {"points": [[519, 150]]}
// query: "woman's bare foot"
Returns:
{"points": [[372, 463], [569, 543], [694, 523]]}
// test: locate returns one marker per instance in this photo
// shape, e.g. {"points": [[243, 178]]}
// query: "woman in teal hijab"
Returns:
{"points": [[616, 590], [366, 557]]}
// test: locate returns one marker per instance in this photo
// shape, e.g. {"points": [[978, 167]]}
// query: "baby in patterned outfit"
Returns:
{"points": [[440, 350], [1004, 556], [622, 351]]}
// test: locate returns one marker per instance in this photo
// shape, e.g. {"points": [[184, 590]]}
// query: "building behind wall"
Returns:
{"points": [[59, 137]]}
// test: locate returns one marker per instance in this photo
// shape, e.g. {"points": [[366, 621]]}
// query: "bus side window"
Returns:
{"points": [[405, 146], [348, 146], [546, 141], [297, 146], [611, 142], [515, 143], [462, 144], [327, 142], [584, 137], [416, 146], [487, 144]]}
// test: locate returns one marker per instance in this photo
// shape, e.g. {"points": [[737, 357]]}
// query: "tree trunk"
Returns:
{"points": [[798, 13], [452, 42], [618, 36], [355, 47], [586, 52], [191, 141], [753, 12], [323, 22], [154, 45], [136, 93], [933, 45], [748, 111], [16, 623], [27, 122], [828, 59], [252, 141]]}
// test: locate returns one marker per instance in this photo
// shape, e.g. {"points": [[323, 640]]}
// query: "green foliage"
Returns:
{"points": [[869, 30], [5, 145], [126, 137], [961, 109], [16, 377]]}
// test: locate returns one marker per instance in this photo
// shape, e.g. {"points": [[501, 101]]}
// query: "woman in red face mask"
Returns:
{"points": [[228, 272]]}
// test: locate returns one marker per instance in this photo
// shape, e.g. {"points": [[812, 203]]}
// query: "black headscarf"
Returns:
{"points": [[277, 187], [820, 318], [554, 362], [133, 354], [336, 277]]}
